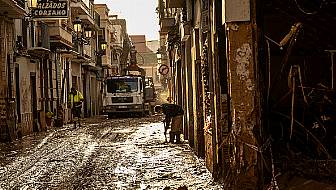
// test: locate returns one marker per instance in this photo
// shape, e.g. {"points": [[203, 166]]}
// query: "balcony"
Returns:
{"points": [[90, 64], [106, 61], [15, 8], [84, 9], [166, 24], [87, 50], [40, 41], [167, 18], [176, 3], [80, 6], [88, 20], [59, 36]]}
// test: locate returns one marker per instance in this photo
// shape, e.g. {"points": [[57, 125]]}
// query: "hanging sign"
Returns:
{"points": [[49, 9]]}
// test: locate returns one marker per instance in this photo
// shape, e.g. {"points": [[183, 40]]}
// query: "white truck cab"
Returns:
{"points": [[124, 94]]}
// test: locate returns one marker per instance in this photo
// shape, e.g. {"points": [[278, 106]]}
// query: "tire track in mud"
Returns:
{"points": [[44, 152], [83, 176], [93, 174], [26, 165], [85, 167], [82, 158]]}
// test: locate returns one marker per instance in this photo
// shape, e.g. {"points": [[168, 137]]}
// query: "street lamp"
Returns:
{"points": [[102, 51], [32, 4], [103, 45], [77, 25], [88, 33]]}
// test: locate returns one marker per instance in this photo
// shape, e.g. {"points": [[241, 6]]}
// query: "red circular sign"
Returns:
{"points": [[163, 69]]}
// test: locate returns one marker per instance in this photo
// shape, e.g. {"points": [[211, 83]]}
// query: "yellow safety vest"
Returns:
{"points": [[78, 97]]}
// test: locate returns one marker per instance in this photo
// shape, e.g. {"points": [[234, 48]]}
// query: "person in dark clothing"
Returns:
{"points": [[173, 115]]}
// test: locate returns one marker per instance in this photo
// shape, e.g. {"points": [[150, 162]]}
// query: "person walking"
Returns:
{"points": [[173, 115], [75, 101]]}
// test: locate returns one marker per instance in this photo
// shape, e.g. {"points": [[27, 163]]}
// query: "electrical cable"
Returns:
{"points": [[269, 70], [304, 11], [274, 183], [293, 101], [271, 40], [320, 145]]}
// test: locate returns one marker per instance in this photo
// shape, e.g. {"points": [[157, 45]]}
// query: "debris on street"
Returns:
{"points": [[128, 153]]}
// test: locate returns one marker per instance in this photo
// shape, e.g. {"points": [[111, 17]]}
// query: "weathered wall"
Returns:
{"points": [[25, 69], [244, 96], [189, 91], [76, 71], [197, 96], [6, 44]]}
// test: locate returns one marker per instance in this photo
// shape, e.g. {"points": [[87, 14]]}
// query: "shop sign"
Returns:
{"points": [[51, 9]]}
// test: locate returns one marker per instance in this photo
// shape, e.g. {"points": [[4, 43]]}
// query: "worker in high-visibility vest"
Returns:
{"points": [[75, 100]]}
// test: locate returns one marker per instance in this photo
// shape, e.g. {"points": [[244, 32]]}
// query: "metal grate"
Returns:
{"points": [[122, 99]]}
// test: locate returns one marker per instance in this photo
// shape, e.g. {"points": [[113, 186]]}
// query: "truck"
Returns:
{"points": [[127, 94]]}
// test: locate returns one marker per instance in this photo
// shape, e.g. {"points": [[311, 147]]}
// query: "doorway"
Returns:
{"points": [[17, 90], [34, 101]]}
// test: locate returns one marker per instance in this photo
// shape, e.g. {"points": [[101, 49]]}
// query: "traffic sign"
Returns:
{"points": [[163, 69]]}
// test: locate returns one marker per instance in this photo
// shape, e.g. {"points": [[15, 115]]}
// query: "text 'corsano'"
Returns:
{"points": [[51, 9]]}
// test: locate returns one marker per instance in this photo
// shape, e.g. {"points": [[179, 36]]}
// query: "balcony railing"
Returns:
{"points": [[89, 20], [165, 11], [166, 24], [41, 36], [88, 51], [106, 60], [176, 3], [40, 40], [58, 33], [81, 6]]}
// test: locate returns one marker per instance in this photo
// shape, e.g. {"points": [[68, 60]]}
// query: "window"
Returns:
{"points": [[122, 85]]}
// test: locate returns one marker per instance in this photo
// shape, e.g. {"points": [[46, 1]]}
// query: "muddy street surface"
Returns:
{"points": [[126, 153]]}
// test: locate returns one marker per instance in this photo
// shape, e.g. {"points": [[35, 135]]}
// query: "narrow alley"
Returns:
{"points": [[127, 153], [249, 86]]}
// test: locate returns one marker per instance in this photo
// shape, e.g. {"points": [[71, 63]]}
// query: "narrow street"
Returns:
{"points": [[127, 153]]}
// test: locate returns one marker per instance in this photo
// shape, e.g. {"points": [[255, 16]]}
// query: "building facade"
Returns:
{"points": [[42, 58], [147, 57], [113, 30], [237, 74], [204, 77], [10, 11]]}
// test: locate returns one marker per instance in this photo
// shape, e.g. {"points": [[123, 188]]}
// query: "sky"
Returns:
{"points": [[140, 16]]}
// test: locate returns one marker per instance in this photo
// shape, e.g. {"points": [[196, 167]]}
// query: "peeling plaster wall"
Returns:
{"points": [[243, 95], [25, 68], [243, 56]]}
